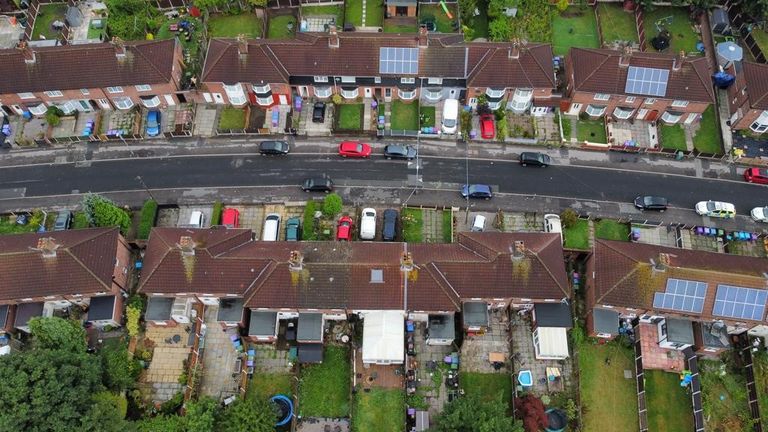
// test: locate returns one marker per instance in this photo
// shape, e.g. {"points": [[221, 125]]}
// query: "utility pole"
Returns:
{"points": [[144, 185]]}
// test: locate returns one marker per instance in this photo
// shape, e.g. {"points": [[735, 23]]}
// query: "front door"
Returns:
{"points": [[303, 91], [401, 11], [368, 92], [283, 99], [387, 94], [641, 113]]}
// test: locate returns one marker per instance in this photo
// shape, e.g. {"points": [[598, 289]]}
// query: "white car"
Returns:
{"points": [[368, 224], [552, 224], [759, 214], [716, 209]]}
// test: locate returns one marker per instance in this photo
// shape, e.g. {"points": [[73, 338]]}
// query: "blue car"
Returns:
{"points": [[481, 191], [153, 123]]}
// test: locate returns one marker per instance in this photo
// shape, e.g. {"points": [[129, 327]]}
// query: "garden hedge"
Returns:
{"points": [[147, 221], [218, 207]]}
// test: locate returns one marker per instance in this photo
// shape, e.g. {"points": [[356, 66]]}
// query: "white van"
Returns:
{"points": [[197, 219], [368, 224], [450, 116], [552, 224], [271, 227]]}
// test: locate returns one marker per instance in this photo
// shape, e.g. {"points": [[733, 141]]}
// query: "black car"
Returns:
{"points": [[535, 159], [650, 202], [389, 231], [318, 112], [317, 184], [274, 148], [396, 151], [481, 191]]}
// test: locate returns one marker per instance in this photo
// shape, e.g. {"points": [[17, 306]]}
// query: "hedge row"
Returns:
{"points": [[218, 207], [148, 215]]}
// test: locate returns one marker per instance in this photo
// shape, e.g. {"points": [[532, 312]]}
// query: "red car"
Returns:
{"points": [[756, 175], [230, 218], [487, 126], [344, 229], [354, 149]]}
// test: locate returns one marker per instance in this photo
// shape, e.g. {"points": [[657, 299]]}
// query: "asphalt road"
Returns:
{"points": [[437, 173]]}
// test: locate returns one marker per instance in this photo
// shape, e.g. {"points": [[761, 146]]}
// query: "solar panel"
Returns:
{"points": [[647, 81], [398, 61], [682, 295], [740, 303]]}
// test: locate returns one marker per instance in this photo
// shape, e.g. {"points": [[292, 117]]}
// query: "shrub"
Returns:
{"points": [[308, 228], [332, 205], [562, 5], [147, 221], [120, 370], [569, 217], [102, 212], [80, 220], [132, 316], [53, 115], [336, 99], [531, 410], [218, 207], [501, 130]]}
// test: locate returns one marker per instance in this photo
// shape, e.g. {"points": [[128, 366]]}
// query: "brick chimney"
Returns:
{"points": [[677, 63], [514, 50], [406, 262], [186, 245], [242, 46], [29, 55], [119, 47], [518, 252], [47, 246], [626, 56], [296, 261], [333, 39], [423, 39]]}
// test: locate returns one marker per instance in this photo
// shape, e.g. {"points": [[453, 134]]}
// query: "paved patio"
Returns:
{"points": [[432, 226], [316, 129], [167, 362], [519, 221], [655, 357], [547, 128], [220, 379], [643, 134], [524, 358], [10, 34], [377, 376], [206, 120], [318, 23], [691, 240], [271, 360], [428, 359], [660, 236], [476, 349]]}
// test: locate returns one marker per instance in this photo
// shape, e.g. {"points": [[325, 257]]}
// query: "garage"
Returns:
{"points": [[383, 338]]}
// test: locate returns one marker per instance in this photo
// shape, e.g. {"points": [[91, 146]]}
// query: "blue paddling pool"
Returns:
{"points": [[525, 378], [285, 408]]}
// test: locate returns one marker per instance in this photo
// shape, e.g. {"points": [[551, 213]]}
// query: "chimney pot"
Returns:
{"points": [[187, 246], [29, 55], [677, 63], [48, 246], [423, 37], [119, 47], [295, 261], [333, 39], [406, 261], [626, 55], [242, 45]]}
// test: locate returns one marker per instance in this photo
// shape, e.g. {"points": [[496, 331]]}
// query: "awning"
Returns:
{"points": [[27, 311], [310, 327], [383, 337], [310, 353], [553, 315], [605, 321], [550, 342], [158, 309], [263, 324], [230, 310], [101, 308]]}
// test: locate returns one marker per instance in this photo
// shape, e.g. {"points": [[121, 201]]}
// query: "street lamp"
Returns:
{"points": [[144, 185]]}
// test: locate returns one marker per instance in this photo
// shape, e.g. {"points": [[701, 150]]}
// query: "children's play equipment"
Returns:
{"points": [[445, 8], [685, 378]]}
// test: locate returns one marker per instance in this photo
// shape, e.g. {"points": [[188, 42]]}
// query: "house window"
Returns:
{"points": [[629, 99], [114, 90], [494, 105], [143, 87], [670, 117], [235, 94], [350, 93], [622, 113], [67, 107], [54, 93], [38, 110], [680, 104], [760, 124], [322, 92], [650, 101], [265, 101], [405, 94], [435, 81], [321, 79], [85, 92], [521, 100], [123, 102], [407, 80], [432, 94], [104, 104], [348, 79], [473, 101], [150, 101], [262, 89], [26, 95], [595, 110], [494, 93], [377, 80], [602, 96]]}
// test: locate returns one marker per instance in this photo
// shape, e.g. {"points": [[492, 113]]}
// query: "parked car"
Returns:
{"points": [[552, 224], [318, 112], [274, 148], [397, 151], [759, 214], [756, 175], [716, 209], [487, 126], [293, 229], [230, 218], [651, 202], [63, 221], [477, 191], [271, 229], [197, 219], [478, 223], [153, 123], [354, 149], [344, 229], [535, 159], [317, 184], [368, 224], [389, 231]]}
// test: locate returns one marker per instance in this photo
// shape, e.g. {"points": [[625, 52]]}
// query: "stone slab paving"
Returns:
{"points": [[638, 131], [436, 397], [10, 34], [547, 128], [318, 23], [307, 126], [660, 236], [475, 349], [271, 360], [524, 357], [220, 378], [465, 224], [206, 120], [317, 424], [167, 363], [185, 212], [66, 128], [432, 226], [523, 221]]}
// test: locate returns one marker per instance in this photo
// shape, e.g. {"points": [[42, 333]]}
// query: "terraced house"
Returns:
{"points": [[425, 67], [748, 97]]}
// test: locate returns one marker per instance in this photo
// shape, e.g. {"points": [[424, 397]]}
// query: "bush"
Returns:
{"points": [[308, 228], [120, 370], [332, 205], [148, 215], [569, 218], [218, 207], [102, 212], [53, 115], [80, 220], [132, 315], [336, 99], [501, 130], [562, 5]]}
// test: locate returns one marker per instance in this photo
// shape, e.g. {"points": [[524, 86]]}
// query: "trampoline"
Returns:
{"points": [[284, 405], [557, 420]]}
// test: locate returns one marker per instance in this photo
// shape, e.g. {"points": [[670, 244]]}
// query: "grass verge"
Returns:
{"points": [[324, 387], [577, 236], [608, 399], [412, 221], [610, 229], [379, 410]]}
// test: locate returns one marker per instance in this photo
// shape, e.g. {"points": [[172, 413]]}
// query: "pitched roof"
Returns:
{"points": [[625, 275], [70, 67], [482, 63], [599, 71], [756, 80], [83, 264]]}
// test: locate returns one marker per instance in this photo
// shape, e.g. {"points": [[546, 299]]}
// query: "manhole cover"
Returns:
{"points": [[628, 374]]}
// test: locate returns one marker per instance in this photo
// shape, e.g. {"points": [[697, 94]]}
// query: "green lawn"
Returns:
{"points": [[193, 45], [447, 226], [761, 37], [405, 116], [374, 13], [672, 137], [592, 131], [265, 385], [350, 116], [379, 411], [616, 24], [412, 221], [391, 28], [278, 27], [724, 398], [234, 25], [669, 405], [47, 15], [336, 10], [324, 387], [427, 116], [577, 236], [610, 229], [232, 118], [576, 27], [353, 12], [676, 21], [476, 26], [609, 400], [760, 364], [487, 386], [435, 13], [707, 139]]}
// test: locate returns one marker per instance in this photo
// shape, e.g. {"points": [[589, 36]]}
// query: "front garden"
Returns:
{"points": [[576, 235], [349, 117], [707, 138], [574, 27], [324, 387], [592, 131], [669, 405], [672, 137], [379, 410], [412, 222], [610, 229], [232, 118], [405, 116]]}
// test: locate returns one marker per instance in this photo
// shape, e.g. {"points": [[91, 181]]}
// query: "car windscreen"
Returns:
{"points": [[449, 122]]}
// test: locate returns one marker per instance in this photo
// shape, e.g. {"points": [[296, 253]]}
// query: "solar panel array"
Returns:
{"points": [[740, 303], [397, 61], [682, 295], [647, 81]]}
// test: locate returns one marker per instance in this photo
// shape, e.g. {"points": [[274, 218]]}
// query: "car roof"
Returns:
{"points": [[350, 144], [479, 187]]}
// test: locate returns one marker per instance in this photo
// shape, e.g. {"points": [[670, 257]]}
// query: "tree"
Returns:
{"points": [[57, 334], [120, 370], [128, 18], [562, 5], [53, 115], [102, 212], [470, 413], [332, 205], [107, 414], [258, 414], [210, 4], [467, 8], [532, 411], [201, 415], [569, 217], [497, 8], [499, 29], [161, 423]]}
